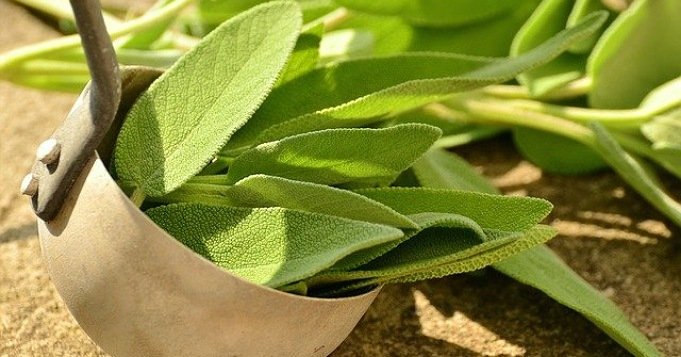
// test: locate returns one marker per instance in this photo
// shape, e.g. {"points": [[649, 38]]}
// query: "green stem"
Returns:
{"points": [[137, 197], [62, 10], [574, 89], [468, 137], [331, 20], [627, 118], [14, 57], [490, 111]]}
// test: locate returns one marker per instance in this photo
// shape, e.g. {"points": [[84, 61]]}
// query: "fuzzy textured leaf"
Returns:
{"points": [[354, 157], [270, 246], [436, 252], [191, 111], [271, 191], [341, 96], [506, 213]]}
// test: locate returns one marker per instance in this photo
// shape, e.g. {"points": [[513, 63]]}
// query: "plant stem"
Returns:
{"points": [[137, 197], [467, 137], [14, 57], [491, 111], [626, 118], [576, 88], [331, 20]]}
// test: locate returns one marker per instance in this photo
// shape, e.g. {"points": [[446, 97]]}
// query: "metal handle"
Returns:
{"points": [[61, 158]]}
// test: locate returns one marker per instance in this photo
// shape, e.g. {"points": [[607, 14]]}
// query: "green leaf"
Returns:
{"points": [[435, 252], [355, 157], [540, 268], [491, 37], [305, 55], [435, 12], [346, 44], [631, 170], [664, 131], [506, 213], [191, 111], [549, 18], [423, 221], [341, 96], [544, 270], [270, 191], [270, 246], [581, 9], [556, 153], [439, 168], [638, 52], [663, 98]]}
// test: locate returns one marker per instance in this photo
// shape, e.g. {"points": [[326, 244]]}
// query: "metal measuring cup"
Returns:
{"points": [[135, 290]]}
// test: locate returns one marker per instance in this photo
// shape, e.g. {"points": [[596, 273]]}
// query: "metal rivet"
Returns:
{"points": [[48, 151], [29, 185]]}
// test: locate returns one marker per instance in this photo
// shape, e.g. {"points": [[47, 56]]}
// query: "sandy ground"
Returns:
{"points": [[608, 235]]}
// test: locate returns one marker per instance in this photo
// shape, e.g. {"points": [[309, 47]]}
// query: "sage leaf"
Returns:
{"points": [[271, 191], [269, 246], [627, 63], [581, 9], [663, 98], [548, 19], [340, 96], [355, 157], [422, 222], [305, 55], [345, 44], [491, 37], [664, 131], [555, 153], [191, 111], [434, 253], [632, 171], [437, 13], [439, 168], [506, 213], [542, 269]]}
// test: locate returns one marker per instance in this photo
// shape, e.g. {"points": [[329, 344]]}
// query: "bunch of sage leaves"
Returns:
{"points": [[323, 87]]}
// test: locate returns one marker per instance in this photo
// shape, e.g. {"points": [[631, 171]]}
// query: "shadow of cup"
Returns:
{"points": [[136, 291]]}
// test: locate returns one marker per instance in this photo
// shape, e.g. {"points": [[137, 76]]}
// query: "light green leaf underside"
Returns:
{"points": [[664, 131], [270, 246], [270, 191], [440, 13], [506, 213], [436, 253], [342, 96], [355, 157], [631, 170], [638, 52], [191, 111], [540, 268]]}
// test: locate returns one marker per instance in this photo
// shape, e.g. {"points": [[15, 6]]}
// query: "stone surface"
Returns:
{"points": [[608, 234]]}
